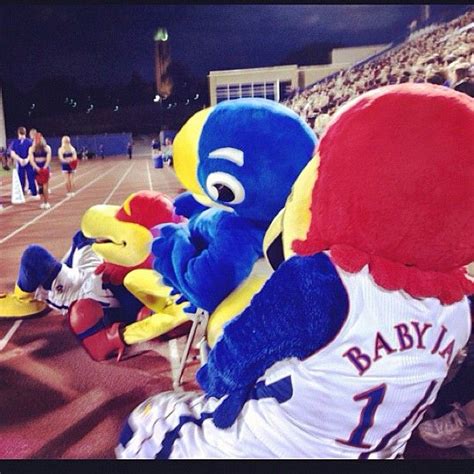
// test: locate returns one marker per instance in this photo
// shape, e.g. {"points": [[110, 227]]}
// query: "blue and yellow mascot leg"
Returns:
{"points": [[38, 268]]}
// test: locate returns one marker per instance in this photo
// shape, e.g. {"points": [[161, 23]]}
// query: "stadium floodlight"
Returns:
{"points": [[161, 34]]}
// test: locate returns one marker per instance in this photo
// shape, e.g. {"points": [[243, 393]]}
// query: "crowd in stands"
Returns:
{"points": [[440, 54]]}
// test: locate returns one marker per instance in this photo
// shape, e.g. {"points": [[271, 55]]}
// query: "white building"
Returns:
{"points": [[276, 82]]}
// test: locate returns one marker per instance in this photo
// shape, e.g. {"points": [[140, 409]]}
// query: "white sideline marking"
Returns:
{"points": [[119, 182], [47, 211], [149, 176], [172, 344], [9, 334]]}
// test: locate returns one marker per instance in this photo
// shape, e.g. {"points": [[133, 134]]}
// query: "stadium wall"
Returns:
{"points": [[114, 143], [264, 82], [311, 74], [355, 53]]}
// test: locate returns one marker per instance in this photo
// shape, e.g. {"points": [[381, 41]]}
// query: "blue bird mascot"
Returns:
{"points": [[237, 161]]}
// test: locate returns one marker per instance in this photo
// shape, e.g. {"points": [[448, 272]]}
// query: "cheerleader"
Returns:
{"points": [[68, 157], [39, 156]]}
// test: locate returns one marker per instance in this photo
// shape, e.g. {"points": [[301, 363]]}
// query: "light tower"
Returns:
{"points": [[3, 134], [425, 12], [164, 83]]}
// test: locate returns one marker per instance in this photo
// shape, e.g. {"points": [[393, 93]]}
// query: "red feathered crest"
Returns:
{"points": [[396, 190]]}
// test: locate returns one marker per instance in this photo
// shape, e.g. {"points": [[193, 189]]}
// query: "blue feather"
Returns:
{"points": [[298, 311]]}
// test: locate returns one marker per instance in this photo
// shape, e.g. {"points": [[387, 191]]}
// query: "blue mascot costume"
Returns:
{"points": [[250, 151]]}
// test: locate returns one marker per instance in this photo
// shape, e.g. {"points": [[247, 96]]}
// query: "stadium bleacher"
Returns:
{"points": [[440, 53]]}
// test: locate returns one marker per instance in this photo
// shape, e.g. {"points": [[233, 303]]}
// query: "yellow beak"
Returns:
{"points": [[122, 243], [185, 151]]}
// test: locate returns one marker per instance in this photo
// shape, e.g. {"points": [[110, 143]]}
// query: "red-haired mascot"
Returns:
{"points": [[349, 341]]}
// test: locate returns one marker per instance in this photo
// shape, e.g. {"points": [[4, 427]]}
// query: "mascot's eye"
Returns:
{"points": [[225, 188]]}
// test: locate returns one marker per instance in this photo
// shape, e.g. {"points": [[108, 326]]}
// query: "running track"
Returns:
{"points": [[55, 402]]}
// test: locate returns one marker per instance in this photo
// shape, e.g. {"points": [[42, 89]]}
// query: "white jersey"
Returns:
{"points": [[78, 282], [364, 393], [360, 396]]}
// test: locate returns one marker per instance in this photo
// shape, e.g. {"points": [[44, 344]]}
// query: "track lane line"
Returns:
{"points": [[150, 184], [28, 199], [60, 203], [120, 181], [56, 173], [10, 333]]}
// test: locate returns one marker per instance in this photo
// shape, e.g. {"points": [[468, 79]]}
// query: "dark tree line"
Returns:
{"points": [[63, 99]]}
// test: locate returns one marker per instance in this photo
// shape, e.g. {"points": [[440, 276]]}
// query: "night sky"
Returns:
{"points": [[100, 44]]}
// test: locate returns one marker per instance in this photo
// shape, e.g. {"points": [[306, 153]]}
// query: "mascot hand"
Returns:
{"points": [[170, 250], [186, 205], [162, 248], [173, 291], [113, 274], [190, 308], [228, 411]]}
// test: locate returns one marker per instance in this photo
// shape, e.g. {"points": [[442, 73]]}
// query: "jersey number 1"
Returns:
{"points": [[374, 398]]}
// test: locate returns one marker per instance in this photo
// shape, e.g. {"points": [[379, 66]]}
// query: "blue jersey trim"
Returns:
{"points": [[281, 391], [57, 306], [99, 326], [173, 435], [126, 434], [78, 242]]}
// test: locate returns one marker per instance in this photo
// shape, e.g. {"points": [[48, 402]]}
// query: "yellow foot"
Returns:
{"points": [[15, 306]]}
